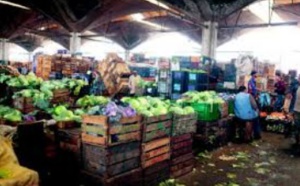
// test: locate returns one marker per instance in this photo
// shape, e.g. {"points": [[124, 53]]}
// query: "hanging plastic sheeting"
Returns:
{"points": [[244, 65], [264, 100]]}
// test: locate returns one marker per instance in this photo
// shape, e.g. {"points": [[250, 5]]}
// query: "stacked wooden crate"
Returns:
{"points": [[111, 150], [43, 68], [68, 65], [60, 96], [113, 71], [70, 142], [182, 158], [156, 149]]}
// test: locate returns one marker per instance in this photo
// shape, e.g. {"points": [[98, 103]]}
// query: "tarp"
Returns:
{"points": [[11, 173]]}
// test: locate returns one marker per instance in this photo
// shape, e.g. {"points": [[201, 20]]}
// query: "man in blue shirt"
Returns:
{"points": [[252, 84]]}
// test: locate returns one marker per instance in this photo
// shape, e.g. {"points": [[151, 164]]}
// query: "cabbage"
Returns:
{"points": [[189, 110]]}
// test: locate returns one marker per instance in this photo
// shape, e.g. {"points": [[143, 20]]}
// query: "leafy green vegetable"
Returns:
{"points": [[90, 101]]}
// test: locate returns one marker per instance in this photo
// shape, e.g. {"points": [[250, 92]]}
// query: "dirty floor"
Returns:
{"points": [[269, 162]]}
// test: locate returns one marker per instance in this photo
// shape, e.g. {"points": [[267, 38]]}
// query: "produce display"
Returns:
{"points": [[10, 114], [150, 106], [40, 99], [90, 101], [21, 81], [61, 113], [201, 97], [71, 84]]}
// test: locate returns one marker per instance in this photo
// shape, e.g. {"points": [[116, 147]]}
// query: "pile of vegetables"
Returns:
{"points": [[209, 97], [149, 106], [90, 101], [10, 114], [21, 81], [61, 113], [74, 84], [71, 84], [40, 99], [4, 78], [114, 111]]}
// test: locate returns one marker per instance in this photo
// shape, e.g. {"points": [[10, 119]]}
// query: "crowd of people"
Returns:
{"points": [[247, 104]]}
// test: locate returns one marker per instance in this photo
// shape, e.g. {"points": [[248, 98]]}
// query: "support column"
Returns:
{"points": [[127, 55], [75, 43], [209, 39], [4, 51]]}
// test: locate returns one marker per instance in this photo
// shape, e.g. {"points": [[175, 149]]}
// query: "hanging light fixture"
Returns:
{"points": [[14, 5]]}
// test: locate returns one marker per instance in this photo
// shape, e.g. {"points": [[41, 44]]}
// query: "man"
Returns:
{"points": [[293, 91], [297, 115], [252, 89], [134, 79], [280, 90], [246, 111]]}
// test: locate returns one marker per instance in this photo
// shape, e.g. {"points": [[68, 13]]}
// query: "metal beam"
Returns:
{"points": [[246, 26]]}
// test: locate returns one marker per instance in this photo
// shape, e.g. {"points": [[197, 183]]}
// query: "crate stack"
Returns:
{"points": [[197, 81], [60, 96], [115, 74], [68, 65], [43, 68], [164, 82], [211, 127], [156, 149], [182, 158], [179, 83], [164, 78], [111, 150]]}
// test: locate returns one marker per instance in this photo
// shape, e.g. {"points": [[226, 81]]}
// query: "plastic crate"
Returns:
{"points": [[207, 112], [231, 107], [200, 78]]}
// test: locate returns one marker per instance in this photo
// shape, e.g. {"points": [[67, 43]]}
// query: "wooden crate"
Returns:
{"points": [[157, 130], [181, 145], [130, 178], [157, 173], [25, 105], [155, 119], [67, 124], [155, 151], [98, 130], [224, 112], [70, 141], [111, 161], [182, 165], [60, 96], [184, 124]]}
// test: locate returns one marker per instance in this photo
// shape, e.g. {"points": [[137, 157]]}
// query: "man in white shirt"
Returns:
{"points": [[133, 82]]}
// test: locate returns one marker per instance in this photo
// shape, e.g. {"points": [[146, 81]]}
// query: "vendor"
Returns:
{"points": [[252, 89], [293, 91], [280, 89], [134, 79], [297, 115], [246, 111], [97, 86]]}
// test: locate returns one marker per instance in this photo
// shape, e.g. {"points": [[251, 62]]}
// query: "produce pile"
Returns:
{"points": [[209, 97], [10, 114], [150, 106], [22, 81]]}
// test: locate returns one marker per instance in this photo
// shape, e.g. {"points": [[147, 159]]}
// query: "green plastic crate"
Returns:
{"points": [[207, 112]]}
